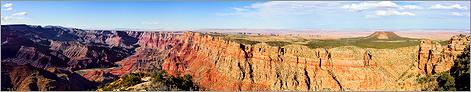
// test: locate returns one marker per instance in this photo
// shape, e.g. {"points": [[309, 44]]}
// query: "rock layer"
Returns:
{"points": [[433, 58], [27, 77], [70, 48], [217, 64]]}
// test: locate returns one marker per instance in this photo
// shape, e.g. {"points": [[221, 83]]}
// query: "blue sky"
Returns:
{"points": [[233, 14]]}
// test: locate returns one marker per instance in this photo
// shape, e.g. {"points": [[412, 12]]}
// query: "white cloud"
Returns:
{"points": [[19, 14], [281, 8], [455, 6], [284, 10], [15, 20], [382, 8], [382, 13], [370, 5], [393, 12], [239, 9], [456, 14], [8, 9], [410, 7], [7, 5]]}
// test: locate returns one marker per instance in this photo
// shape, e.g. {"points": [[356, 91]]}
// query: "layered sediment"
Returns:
{"points": [[220, 64], [434, 58]]}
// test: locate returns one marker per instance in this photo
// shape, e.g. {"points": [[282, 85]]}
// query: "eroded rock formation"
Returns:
{"points": [[434, 58], [70, 48], [27, 77], [218, 64]]}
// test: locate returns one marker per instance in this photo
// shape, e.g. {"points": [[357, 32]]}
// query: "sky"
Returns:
{"points": [[240, 14]]}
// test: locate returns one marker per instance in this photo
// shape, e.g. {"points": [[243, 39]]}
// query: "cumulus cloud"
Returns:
{"points": [[382, 5], [393, 12], [454, 6], [410, 7], [370, 5], [285, 10], [382, 8], [384, 13], [7, 6], [13, 16]]}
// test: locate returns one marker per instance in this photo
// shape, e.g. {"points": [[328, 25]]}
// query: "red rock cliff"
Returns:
{"points": [[217, 64]]}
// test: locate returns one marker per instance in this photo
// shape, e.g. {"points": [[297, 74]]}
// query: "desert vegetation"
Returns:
{"points": [[456, 79], [363, 42], [159, 81], [393, 41], [278, 43], [167, 82]]}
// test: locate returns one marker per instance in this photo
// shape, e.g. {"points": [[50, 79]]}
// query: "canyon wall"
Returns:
{"points": [[218, 64], [434, 58], [66, 48]]}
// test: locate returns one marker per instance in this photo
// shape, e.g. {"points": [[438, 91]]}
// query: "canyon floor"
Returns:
{"points": [[59, 58]]}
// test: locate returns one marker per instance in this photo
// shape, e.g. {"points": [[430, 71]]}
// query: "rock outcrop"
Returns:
{"points": [[26, 77], [434, 58], [99, 76], [367, 58]]}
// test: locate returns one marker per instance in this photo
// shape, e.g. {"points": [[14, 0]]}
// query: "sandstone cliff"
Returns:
{"points": [[434, 58], [220, 64]]}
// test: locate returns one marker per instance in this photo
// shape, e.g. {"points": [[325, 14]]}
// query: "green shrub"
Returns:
{"points": [[173, 83], [362, 43], [327, 43], [423, 80], [446, 82], [127, 81], [132, 79], [278, 43], [245, 41], [460, 71], [458, 77], [158, 76]]}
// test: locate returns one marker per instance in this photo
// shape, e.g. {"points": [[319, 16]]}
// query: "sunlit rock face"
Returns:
{"points": [[434, 58], [219, 64]]}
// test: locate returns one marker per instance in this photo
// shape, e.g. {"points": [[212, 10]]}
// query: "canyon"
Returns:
{"points": [[67, 57]]}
